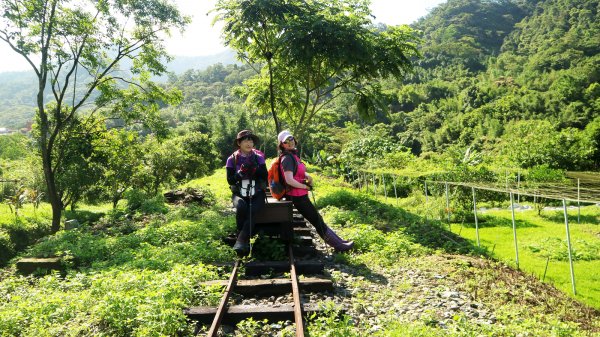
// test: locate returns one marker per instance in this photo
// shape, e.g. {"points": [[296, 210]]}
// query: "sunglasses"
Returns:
{"points": [[288, 140]]}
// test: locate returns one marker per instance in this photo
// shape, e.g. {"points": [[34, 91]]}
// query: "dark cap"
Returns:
{"points": [[244, 134]]}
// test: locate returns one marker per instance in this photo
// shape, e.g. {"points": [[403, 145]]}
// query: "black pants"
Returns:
{"points": [[242, 214], [309, 212]]}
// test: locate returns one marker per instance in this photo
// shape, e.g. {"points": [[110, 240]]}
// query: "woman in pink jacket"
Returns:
{"points": [[299, 183]]}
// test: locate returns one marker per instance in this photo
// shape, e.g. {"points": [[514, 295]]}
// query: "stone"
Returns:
{"points": [[71, 224], [28, 266]]}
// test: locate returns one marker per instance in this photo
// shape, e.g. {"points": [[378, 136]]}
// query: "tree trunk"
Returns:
{"points": [[46, 152], [272, 99], [53, 196]]}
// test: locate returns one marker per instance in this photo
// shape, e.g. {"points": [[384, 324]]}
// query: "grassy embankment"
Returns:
{"points": [[130, 273], [542, 237]]}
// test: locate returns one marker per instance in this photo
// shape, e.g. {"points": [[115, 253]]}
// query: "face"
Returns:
{"points": [[246, 144], [289, 143]]}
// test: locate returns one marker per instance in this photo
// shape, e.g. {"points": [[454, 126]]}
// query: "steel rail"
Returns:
{"points": [[223, 305], [296, 295]]}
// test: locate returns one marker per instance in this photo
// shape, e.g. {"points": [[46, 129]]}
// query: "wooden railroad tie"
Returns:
{"points": [[279, 220], [238, 313]]}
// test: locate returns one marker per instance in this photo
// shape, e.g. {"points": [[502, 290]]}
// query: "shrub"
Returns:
{"points": [[138, 200], [7, 247]]}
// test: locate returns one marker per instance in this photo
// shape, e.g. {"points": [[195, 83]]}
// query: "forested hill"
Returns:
{"points": [[466, 33], [18, 89], [487, 64], [492, 73]]}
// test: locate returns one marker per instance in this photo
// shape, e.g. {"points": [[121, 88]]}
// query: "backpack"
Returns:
{"points": [[276, 180]]}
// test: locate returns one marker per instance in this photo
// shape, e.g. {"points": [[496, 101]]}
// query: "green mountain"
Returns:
{"points": [[488, 64], [18, 89]]}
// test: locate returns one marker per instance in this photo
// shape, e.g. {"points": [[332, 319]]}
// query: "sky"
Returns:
{"points": [[202, 38]]}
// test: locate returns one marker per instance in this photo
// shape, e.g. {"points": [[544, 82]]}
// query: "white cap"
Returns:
{"points": [[283, 135]]}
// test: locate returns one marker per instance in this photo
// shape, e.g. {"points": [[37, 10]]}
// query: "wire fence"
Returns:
{"points": [[581, 189]]}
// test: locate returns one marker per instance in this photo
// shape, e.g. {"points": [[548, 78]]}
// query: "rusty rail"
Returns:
{"points": [[296, 295], [223, 305]]}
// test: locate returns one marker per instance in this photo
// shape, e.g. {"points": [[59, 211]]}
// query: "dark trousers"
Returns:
{"points": [[242, 214], [309, 212]]}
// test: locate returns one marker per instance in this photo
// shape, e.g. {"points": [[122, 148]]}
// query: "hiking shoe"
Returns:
{"points": [[241, 248]]}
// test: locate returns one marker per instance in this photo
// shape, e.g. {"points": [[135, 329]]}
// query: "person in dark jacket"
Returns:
{"points": [[247, 176], [299, 183]]}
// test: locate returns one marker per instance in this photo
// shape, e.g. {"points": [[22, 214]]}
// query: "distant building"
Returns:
{"points": [[27, 128], [5, 131]]}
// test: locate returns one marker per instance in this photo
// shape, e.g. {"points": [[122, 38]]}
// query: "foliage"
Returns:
{"points": [[116, 302], [531, 143], [138, 200], [359, 206], [140, 242], [538, 176], [16, 234], [14, 146], [557, 250], [80, 47], [331, 322], [78, 165], [200, 157], [369, 150], [133, 275], [307, 53], [121, 152], [16, 200], [250, 327], [266, 249]]}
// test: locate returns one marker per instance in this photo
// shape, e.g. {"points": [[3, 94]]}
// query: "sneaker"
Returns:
{"points": [[241, 248]]}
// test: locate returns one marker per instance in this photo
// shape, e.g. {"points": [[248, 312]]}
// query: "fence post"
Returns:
{"points": [[448, 205], [578, 202], [512, 208], [475, 213], [569, 246], [518, 186]]}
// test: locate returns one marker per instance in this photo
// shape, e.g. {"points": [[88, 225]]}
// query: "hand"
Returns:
{"points": [[308, 180], [248, 169]]}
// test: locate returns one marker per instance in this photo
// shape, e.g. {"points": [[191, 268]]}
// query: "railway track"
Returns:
{"points": [[269, 279]]}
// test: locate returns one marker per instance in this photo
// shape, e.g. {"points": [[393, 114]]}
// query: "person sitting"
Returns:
{"points": [[247, 176], [299, 183]]}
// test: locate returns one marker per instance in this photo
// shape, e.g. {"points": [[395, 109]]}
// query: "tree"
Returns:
{"points": [[306, 53], [163, 162], [76, 49], [200, 156], [78, 164], [123, 155]]}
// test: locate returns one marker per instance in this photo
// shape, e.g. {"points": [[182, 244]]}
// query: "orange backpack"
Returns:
{"points": [[276, 180]]}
